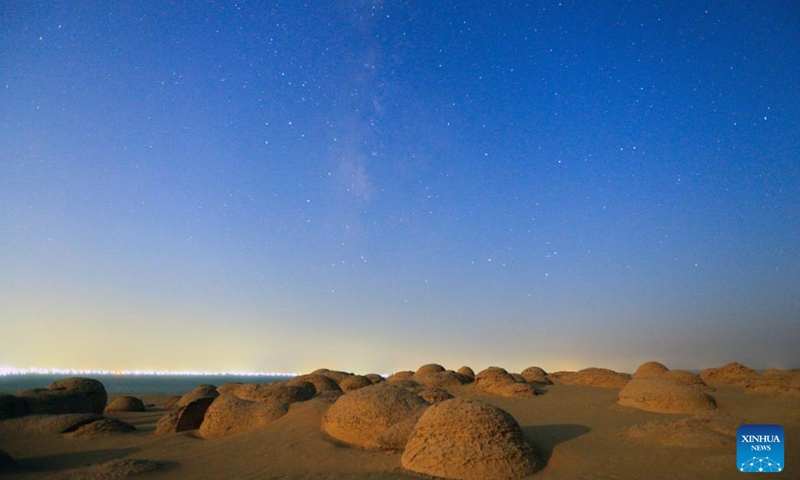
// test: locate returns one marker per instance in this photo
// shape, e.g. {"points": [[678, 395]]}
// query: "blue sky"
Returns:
{"points": [[376, 185]]}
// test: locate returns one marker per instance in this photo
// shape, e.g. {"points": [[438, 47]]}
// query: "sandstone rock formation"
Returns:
{"points": [[229, 415], [187, 417], [90, 387], [321, 383], [593, 377], [201, 391], [40, 401], [401, 375], [662, 395], [467, 372], [536, 375], [731, 374], [497, 381], [354, 382], [468, 440], [377, 417], [125, 403], [650, 369]]}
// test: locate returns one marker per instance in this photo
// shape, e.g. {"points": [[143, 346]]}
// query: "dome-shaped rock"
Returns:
{"points": [[90, 387], [375, 378], [354, 383], [468, 440], [278, 392], [40, 401], [430, 368], [377, 417], [467, 372], [497, 381], [321, 382], [200, 391], [229, 415], [442, 379], [662, 395], [401, 375], [335, 375], [685, 377], [731, 374], [536, 374], [650, 369], [125, 403]]}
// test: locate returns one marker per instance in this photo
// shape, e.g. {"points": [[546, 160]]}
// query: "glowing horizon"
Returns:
{"points": [[4, 371]]}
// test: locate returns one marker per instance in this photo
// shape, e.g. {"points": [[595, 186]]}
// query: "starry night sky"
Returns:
{"points": [[375, 185]]}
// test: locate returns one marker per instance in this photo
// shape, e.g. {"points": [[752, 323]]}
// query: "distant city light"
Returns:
{"points": [[5, 370]]}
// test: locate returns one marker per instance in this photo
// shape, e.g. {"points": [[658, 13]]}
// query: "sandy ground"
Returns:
{"points": [[580, 431]]}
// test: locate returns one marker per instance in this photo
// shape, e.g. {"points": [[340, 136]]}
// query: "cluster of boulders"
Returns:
{"points": [[412, 412], [72, 406], [451, 438]]}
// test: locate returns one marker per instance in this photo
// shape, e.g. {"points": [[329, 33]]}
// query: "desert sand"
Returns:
{"points": [[592, 424]]}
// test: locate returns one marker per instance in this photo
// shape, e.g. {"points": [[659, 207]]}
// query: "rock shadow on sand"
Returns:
{"points": [[544, 438]]}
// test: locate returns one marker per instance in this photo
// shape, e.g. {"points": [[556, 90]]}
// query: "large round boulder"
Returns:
{"points": [[536, 374], [497, 381], [90, 387], [40, 401], [467, 373], [468, 440], [663, 395], [354, 382], [440, 379], [125, 403], [401, 375], [335, 375], [229, 415], [321, 383], [200, 391], [378, 417], [731, 374], [650, 369], [429, 368], [281, 392]]}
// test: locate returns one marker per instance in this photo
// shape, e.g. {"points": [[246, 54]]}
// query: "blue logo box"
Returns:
{"points": [[759, 448]]}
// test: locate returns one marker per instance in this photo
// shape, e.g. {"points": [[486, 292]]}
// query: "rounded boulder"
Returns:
{"points": [[664, 395], [125, 403], [468, 440], [379, 417], [90, 387], [229, 415], [650, 369]]}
